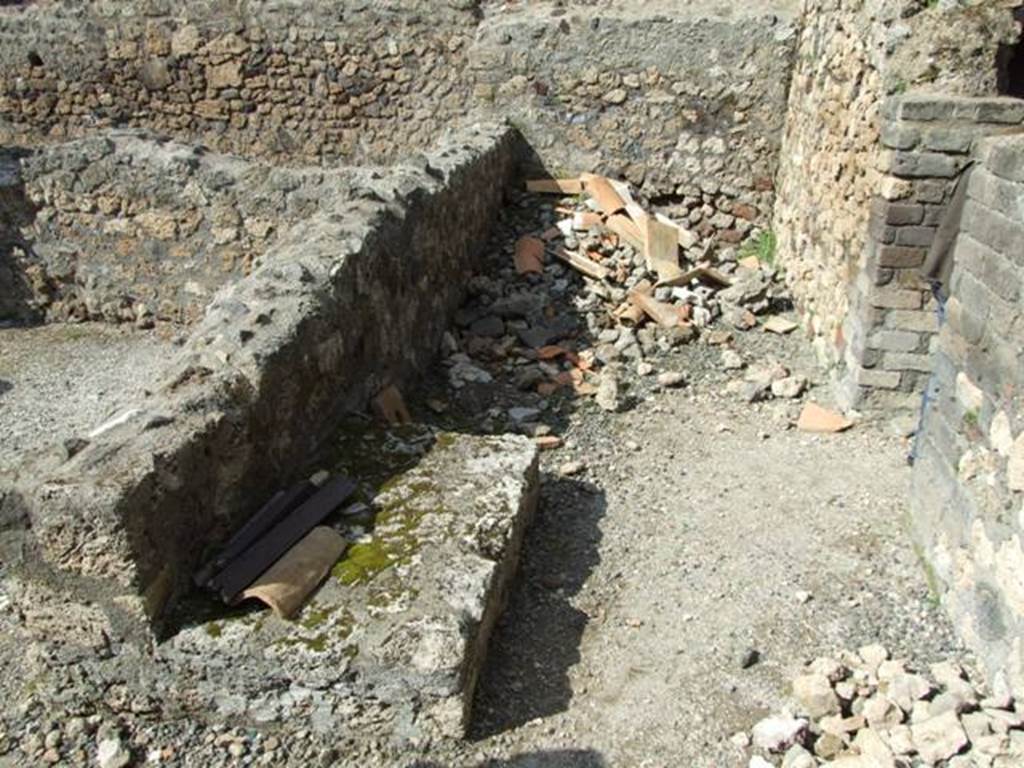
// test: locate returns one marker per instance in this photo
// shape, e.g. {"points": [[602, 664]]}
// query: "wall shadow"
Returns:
{"points": [[16, 212], [538, 639]]}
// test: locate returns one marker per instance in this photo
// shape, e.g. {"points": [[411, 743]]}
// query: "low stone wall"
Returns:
{"points": [[127, 228], [836, 177], [348, 301], [969, 475]]}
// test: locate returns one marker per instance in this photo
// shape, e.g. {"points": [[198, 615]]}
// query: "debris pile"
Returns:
{"points": [[649, 285], [865, 710]]}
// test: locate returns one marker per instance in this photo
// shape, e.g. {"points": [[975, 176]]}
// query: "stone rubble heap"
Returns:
{"points": [[865, 710], [547, 333]]}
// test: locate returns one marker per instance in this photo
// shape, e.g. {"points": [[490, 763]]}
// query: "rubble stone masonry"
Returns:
{"points": [[687, 104]]}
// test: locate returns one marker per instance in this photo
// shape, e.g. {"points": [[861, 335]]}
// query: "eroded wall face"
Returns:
{"points": [[828, 167], [837, 178], [126, 229], [688, 107], [967, 511]]}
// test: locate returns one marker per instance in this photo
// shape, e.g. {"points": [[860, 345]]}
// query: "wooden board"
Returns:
{"points": [[555, 186]]}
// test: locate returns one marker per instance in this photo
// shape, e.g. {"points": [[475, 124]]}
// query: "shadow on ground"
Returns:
{"points": [[538, 639], [558, 758], [5, 386]]}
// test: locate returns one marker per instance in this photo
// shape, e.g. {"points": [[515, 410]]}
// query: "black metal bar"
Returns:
{"points": [[245, 568], [280, 504]]}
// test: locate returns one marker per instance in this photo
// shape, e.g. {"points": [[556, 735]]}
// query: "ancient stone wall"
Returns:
{"points": [[853, 55], [688, 104], [125, 228], [349, 300], [969, 475]]}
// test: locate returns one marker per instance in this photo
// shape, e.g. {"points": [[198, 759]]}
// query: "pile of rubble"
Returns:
{"points": [[648, 287], [865, 710]]}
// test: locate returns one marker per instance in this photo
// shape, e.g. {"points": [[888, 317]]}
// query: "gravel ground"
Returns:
{"points": [[57, 381]]}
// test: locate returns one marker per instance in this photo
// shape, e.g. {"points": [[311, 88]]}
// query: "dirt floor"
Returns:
{"points": [[713, 530], [60, 381]]}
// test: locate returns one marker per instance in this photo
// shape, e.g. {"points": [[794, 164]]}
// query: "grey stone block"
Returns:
{"points": [[896, 298], [901, 214], [899, 135], [920, 107], [999, 194], [998, 110], [906, 361], [877, 378], [920, 237], [1005, 157], [912, 165], [948, 140], [901, 257], [994, 230], [895, 341], [912, 320]]}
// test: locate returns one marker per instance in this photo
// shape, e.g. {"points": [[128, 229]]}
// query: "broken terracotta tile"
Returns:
{"points": [[582, 264], [552, 233], [555, 186], [780, 325], [604, 194], [389, 407], [584, 220], [661, 248], [815, 418], [633, 209], [529, 255], [289, 581], [548, 442], [626, 229], [703, 273], [660, 312], [550, 352]]}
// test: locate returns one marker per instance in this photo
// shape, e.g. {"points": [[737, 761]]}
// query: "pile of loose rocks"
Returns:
{"points": [[865, 710], [555, 330]]}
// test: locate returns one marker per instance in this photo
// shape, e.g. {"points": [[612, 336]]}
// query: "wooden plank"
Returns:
{"points": [[555, 186], [661, 248], [286, 584], [244, 569], [280, 504], [626, 229], [582, 264], [604, 194], [529, 255]]}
